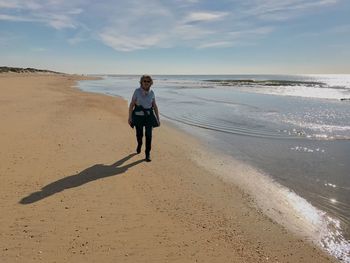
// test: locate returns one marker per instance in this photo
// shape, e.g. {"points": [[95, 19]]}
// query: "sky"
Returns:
{"points": [[177, 37]]}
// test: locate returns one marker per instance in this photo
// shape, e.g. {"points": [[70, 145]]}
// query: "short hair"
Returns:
{"points": [[146, 77]]}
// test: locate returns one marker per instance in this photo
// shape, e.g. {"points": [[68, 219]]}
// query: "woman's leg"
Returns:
{"points": [[148, 141], [139, 135]]}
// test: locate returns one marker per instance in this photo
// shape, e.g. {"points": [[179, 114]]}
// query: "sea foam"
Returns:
{"points": [[280, 203]]}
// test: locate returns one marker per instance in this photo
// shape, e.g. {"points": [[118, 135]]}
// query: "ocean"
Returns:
{"points": [[293, 131]]}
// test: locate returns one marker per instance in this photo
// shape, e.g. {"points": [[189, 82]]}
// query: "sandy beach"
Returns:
{"points": [[74, 190]]}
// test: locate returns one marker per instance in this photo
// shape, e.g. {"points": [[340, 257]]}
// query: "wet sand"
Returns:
{"points": [[73, 189]]}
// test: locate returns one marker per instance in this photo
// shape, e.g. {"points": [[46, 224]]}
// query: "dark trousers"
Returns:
{"points": [[139, 135]]}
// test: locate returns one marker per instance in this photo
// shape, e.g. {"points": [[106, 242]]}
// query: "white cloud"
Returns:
{"points": [[18, 4], [60, 21], [14, 18], [191, 32], [126, 43], [204, 16], [216, 44], [8, 4], [58, 14], [135, 25], [283, 10], [198, 27], [252, 32]]}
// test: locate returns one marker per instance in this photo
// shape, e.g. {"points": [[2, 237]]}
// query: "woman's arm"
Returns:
{"points": [[131, 108]]}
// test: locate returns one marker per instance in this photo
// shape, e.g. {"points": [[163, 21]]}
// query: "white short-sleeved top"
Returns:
{"points": [[143, 98]]}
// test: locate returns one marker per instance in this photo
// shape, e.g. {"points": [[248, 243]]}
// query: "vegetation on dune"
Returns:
{"points": [[25, 70]]}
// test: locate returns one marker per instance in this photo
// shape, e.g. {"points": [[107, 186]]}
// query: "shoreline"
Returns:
{"points": [[86, 193]]}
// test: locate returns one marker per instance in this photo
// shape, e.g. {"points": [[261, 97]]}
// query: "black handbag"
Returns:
{"points": [[154, 119], [148, 117]]}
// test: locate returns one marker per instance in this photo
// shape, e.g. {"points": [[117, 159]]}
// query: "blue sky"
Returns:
{"points": [[177, 37]]}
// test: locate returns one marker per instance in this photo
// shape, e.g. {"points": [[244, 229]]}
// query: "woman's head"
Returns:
{"points": [[146, 82]]}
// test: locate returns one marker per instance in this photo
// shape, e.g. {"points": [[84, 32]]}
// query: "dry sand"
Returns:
{"points": [[73, 190]]}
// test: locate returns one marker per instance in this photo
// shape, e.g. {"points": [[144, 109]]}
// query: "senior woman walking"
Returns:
{"points": [[143, 113]]}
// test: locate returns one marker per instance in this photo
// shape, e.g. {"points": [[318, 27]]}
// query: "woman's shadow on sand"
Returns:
{"points": [[98, 171]]}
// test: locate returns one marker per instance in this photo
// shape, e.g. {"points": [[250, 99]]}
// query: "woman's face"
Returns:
{"points": [[146, 84]]}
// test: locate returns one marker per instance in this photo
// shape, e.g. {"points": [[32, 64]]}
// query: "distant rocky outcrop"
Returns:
{"points": [[26, 70]]}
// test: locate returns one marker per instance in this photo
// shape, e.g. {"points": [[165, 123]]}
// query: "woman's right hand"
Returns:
{"points": [[130, 121]]}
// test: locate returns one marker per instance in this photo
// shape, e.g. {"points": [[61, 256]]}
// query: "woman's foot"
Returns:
{"points": [[148, 157], [138, 149]]}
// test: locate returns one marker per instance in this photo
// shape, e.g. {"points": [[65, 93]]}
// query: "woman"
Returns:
{"points": [[141, 114]]}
